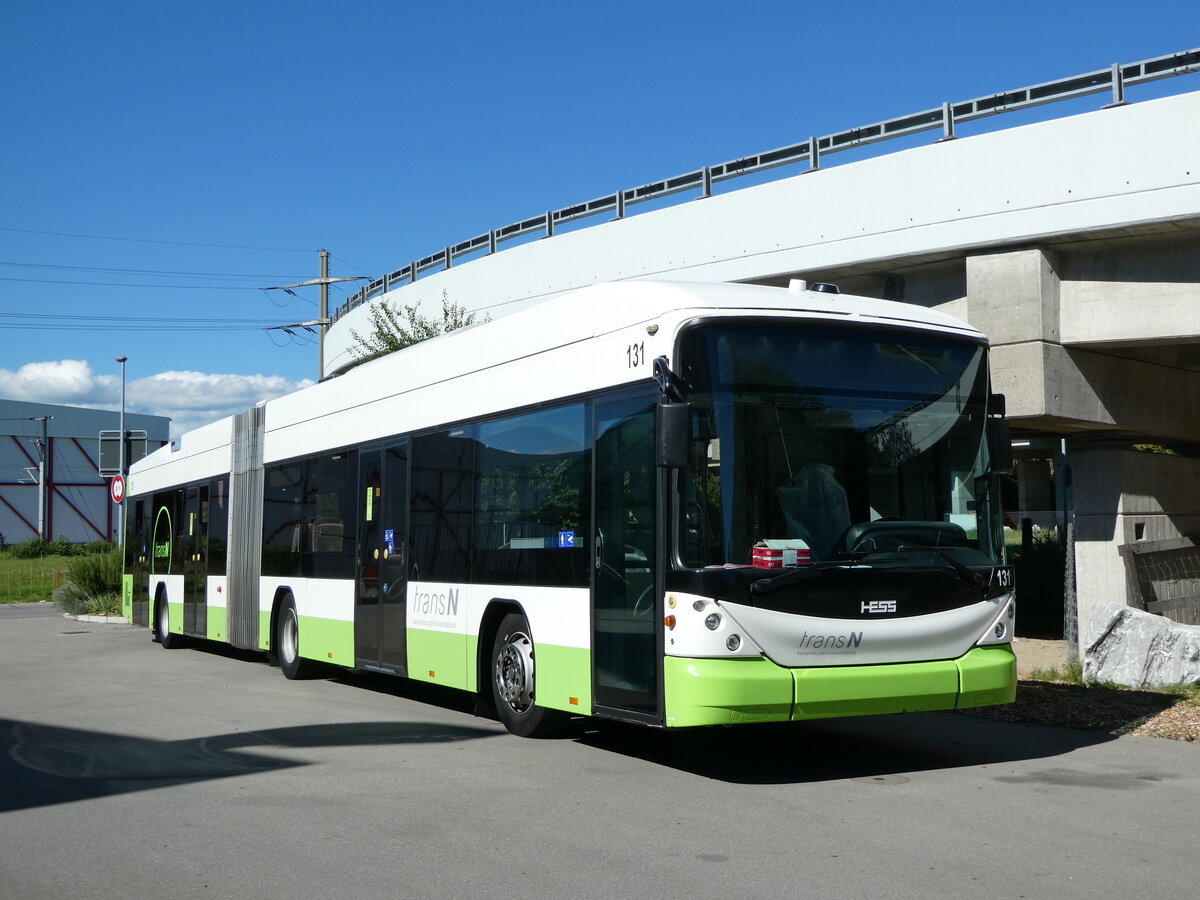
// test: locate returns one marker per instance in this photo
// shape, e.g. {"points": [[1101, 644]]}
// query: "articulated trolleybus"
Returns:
{"points": [[673, 504]]}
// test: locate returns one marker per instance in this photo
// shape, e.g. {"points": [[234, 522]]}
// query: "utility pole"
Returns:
{"points": [[41, 444], [321, 323], [121, 506]]}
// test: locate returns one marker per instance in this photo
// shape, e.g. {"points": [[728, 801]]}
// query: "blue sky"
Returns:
{"points": [[165, 161]]}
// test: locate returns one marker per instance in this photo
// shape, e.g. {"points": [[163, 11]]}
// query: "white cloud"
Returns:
{"points": [[191, 399]]}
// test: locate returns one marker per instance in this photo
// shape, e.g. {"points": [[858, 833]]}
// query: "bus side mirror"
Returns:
{"points": [[672, 437], [999, 438]]}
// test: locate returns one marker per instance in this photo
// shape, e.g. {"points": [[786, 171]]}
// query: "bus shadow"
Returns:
{"points": [[405, 688], [42, 765], [878, 749]]}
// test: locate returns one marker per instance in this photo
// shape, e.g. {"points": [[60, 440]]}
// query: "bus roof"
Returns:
{"points": [[522, 358]]}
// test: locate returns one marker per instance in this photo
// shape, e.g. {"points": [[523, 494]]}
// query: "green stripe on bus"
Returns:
{"points": [[725, 691], [215, 620], [127, 594], [439, 657], [875, 690], [563, 677], [325, 640], [988, 677]]}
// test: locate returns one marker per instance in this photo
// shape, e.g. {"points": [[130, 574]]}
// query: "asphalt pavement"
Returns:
{"points": [[127, 771]]}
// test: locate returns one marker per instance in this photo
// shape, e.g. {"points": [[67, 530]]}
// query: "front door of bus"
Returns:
{"points": [[381, 579], [625, 616]]}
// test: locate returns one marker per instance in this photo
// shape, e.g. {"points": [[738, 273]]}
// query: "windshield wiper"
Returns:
{"points": [[968, 574], [802, 573]]}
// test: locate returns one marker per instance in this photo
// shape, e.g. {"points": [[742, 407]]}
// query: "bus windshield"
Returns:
{"points": [[814, 442]]}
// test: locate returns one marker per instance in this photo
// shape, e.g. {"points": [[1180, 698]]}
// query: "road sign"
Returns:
{"points": [[117, 489], [110, 450]]}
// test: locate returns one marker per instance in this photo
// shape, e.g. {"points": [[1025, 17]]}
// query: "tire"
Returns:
{"points": [[286, 643], [162, 625], [513, 686]]}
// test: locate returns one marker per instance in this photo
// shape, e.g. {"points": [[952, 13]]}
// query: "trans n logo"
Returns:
{"points": [[160, 547]]}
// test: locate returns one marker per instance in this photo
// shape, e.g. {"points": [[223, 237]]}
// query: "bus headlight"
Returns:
{"points": [[733, 642], [1000, 631], [712, 621]]}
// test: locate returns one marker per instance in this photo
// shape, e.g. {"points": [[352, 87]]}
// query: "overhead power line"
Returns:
{"points": [[47, 322], [27, 265], [107, 237], [201, 287]]}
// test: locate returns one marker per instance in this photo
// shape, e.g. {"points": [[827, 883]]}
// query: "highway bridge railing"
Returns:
{"points": [[1115, 80]]}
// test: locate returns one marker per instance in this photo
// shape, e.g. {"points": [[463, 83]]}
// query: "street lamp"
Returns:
{"points": [[121, 464]]}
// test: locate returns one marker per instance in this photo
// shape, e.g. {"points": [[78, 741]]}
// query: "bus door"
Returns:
{"points": [[195, 559], [381, 578], [625, 585]]}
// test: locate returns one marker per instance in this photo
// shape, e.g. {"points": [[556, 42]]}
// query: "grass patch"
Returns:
{"points": [[1072, 673], [30, 580]]}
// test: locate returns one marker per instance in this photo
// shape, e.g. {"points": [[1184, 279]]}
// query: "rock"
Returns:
{"points": [[1139, 649]]}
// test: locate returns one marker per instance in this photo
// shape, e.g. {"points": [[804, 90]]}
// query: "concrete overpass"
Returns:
{"points": [[1074, 243]]}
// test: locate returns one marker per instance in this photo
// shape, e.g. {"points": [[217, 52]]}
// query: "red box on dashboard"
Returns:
{"points": [[780, 554]]}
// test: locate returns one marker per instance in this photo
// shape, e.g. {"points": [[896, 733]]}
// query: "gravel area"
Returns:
{"points": [[1097, 708]]}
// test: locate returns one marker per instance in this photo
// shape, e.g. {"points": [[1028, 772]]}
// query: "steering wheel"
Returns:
{"points": [[645, 601]]}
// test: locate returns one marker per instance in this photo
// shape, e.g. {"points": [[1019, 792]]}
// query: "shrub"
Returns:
{"points": [[96, 574], [34, 549], [71, 599], [61, 547], [92, 585]]}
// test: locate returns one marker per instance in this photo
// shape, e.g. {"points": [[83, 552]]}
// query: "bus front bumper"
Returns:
{"points": [[730, 691]]}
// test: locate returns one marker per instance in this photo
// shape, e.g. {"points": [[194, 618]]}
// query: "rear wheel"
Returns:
{"points": [[162, 625], [287, 642], [513, 685]]}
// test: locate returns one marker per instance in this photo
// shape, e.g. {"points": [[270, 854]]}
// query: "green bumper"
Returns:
{"points": [[729, 691]]}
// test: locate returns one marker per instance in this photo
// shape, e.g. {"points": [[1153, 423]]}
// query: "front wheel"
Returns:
{"points": [[287, 642], [513, 684]]}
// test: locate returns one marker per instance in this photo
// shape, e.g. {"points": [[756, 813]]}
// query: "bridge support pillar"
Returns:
{"points": [[1103, 402]]}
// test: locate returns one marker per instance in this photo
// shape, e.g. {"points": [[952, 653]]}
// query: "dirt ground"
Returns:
{"points": [[1033, 653], [1092, 708]]}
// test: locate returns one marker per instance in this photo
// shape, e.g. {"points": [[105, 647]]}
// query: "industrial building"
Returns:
{"points": [[72, 500]]}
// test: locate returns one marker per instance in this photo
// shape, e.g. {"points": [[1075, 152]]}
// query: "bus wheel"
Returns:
{"points": [[287, 642], [513, 682], [162, 629]]}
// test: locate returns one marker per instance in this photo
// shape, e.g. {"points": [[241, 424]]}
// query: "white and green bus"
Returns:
{"points": [[671, 504]]}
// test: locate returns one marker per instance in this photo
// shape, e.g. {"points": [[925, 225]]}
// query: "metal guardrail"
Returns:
{"points": [[1115, 79]]}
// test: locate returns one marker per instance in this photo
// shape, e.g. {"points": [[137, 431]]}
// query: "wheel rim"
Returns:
{"points": [[288, 637], [514, 672]]}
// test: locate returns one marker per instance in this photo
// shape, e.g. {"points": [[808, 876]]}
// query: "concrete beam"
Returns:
{"points": [[1064, 390], [1012, 296]]}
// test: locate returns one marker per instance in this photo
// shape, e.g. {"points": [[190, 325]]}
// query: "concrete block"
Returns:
{"points": [[1138, 649], [1013, 296]]}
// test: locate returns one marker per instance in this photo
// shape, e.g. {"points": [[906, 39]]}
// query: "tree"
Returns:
{"points": [[394, 328]]}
